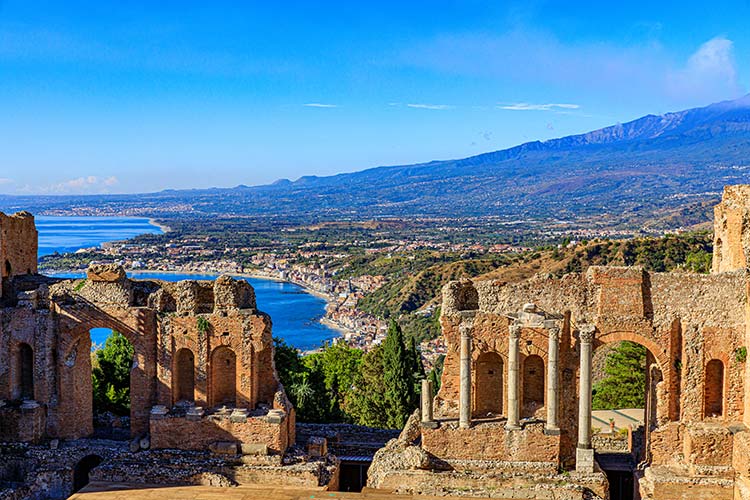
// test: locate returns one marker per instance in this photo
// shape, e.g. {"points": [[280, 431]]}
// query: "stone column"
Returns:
{"points": [[464, 402], [513, 355], [553, 331], [427, 419], [584, 453]]}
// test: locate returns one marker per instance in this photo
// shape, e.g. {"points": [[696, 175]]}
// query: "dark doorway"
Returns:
{"points": [[26, 371], [82, 470], [353, 474], [619, 468], [620, 484], [8, 268]]}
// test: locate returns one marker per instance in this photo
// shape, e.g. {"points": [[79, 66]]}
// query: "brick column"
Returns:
{"points": [[464, 402], [584, 452], [513, 355], [553, 332]]}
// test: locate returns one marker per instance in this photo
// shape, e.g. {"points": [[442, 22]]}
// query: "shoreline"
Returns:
{"points": [[333, 325], [163, 227]]}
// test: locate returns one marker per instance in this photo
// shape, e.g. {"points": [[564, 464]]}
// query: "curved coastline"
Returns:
{"points": [[329, 299]]}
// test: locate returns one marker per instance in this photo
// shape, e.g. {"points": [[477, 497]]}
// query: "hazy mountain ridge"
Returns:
{"points": [[626, 172]]}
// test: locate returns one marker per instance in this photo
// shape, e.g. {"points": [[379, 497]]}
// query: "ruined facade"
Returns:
{"points": [[202, 376], [514, 407]]}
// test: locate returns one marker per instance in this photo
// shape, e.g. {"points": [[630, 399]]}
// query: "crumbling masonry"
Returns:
{"points": [[514, 407], [203, 374]]}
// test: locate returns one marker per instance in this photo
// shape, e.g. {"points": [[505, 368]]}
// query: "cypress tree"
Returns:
{"points": [[416, 369], [397, 376]]}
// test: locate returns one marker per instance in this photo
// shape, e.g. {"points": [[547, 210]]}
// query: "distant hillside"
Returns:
{"points": [[670, 167]]}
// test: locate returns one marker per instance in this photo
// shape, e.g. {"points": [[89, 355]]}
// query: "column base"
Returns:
{"points": [[552, 431], [432, 424], [464, 425], [509, 427], [585, 460]]}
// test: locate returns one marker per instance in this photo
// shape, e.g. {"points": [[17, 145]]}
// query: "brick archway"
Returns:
{"points": [[75, 409]]}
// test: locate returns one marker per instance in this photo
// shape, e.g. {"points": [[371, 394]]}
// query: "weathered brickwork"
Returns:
{"points": [[18, 246], [202, 372], [696, 329]]}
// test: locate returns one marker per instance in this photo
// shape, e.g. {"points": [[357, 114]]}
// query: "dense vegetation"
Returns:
{"points": [[110, 372], [624, 385], [341, 384]]}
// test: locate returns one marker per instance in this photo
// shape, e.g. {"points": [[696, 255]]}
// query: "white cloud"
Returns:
{"points": [[5, 181], [645, 72], [525, 106], [89, 184], [710, 73], [320, 105], [430, 106]]}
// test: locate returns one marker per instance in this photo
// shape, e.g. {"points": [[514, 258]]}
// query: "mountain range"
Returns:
{"points": [[657, 164]]}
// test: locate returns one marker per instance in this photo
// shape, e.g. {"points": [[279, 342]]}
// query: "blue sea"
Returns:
{"points": [[68, 234], [294, 312]]}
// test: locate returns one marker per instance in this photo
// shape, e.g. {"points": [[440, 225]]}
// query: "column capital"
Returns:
{"points": [[586, 333], [465, 328], [552, 330], [514, 330]]}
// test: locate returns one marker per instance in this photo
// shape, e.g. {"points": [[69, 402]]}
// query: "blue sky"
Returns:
{"points": [[141, 96]]}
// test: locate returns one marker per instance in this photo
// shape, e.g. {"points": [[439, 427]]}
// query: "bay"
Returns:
{"points": [[294, 312], [68, 234]]}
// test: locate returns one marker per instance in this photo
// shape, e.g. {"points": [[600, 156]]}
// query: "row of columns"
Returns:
{"points": [[584, 452], [514, 403]]}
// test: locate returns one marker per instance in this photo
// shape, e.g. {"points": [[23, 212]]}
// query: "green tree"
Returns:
{"points": [[341, 365], [398, 377], [625, 383], [110, 375], [366, 402], [437, 372]]}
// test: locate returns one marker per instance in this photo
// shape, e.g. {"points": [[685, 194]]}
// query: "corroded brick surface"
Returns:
{"points": [[225, 346]]}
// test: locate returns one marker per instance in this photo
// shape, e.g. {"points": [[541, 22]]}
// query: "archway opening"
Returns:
{"points": [[533, 385], [626, 377], [488, 388], [111, 365], [25, 370], [184, 376], [713, 390], [8, 268], [223, 387], [83, 469]]}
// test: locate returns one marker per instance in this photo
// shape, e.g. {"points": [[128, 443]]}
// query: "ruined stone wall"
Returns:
{"points": [[158, 320], [731, 230], [18, 244], [179, 432], [684, 320]]}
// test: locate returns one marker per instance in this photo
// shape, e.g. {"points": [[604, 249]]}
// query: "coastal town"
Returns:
{"points": [[305, 268]]}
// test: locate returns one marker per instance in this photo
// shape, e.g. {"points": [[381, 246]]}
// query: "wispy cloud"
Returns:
{"points": [[644, 71], [710, 72], [430, 106], [320, 105], [525, 106], [90, 184], [4, 181]]}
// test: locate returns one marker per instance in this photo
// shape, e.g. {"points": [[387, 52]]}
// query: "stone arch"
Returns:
{"points": [[713, 389], [658, 372], [82, 470], [183, 384], [25, 371], [488, 385], [223, 386], [533, 383], [74, 384]]}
